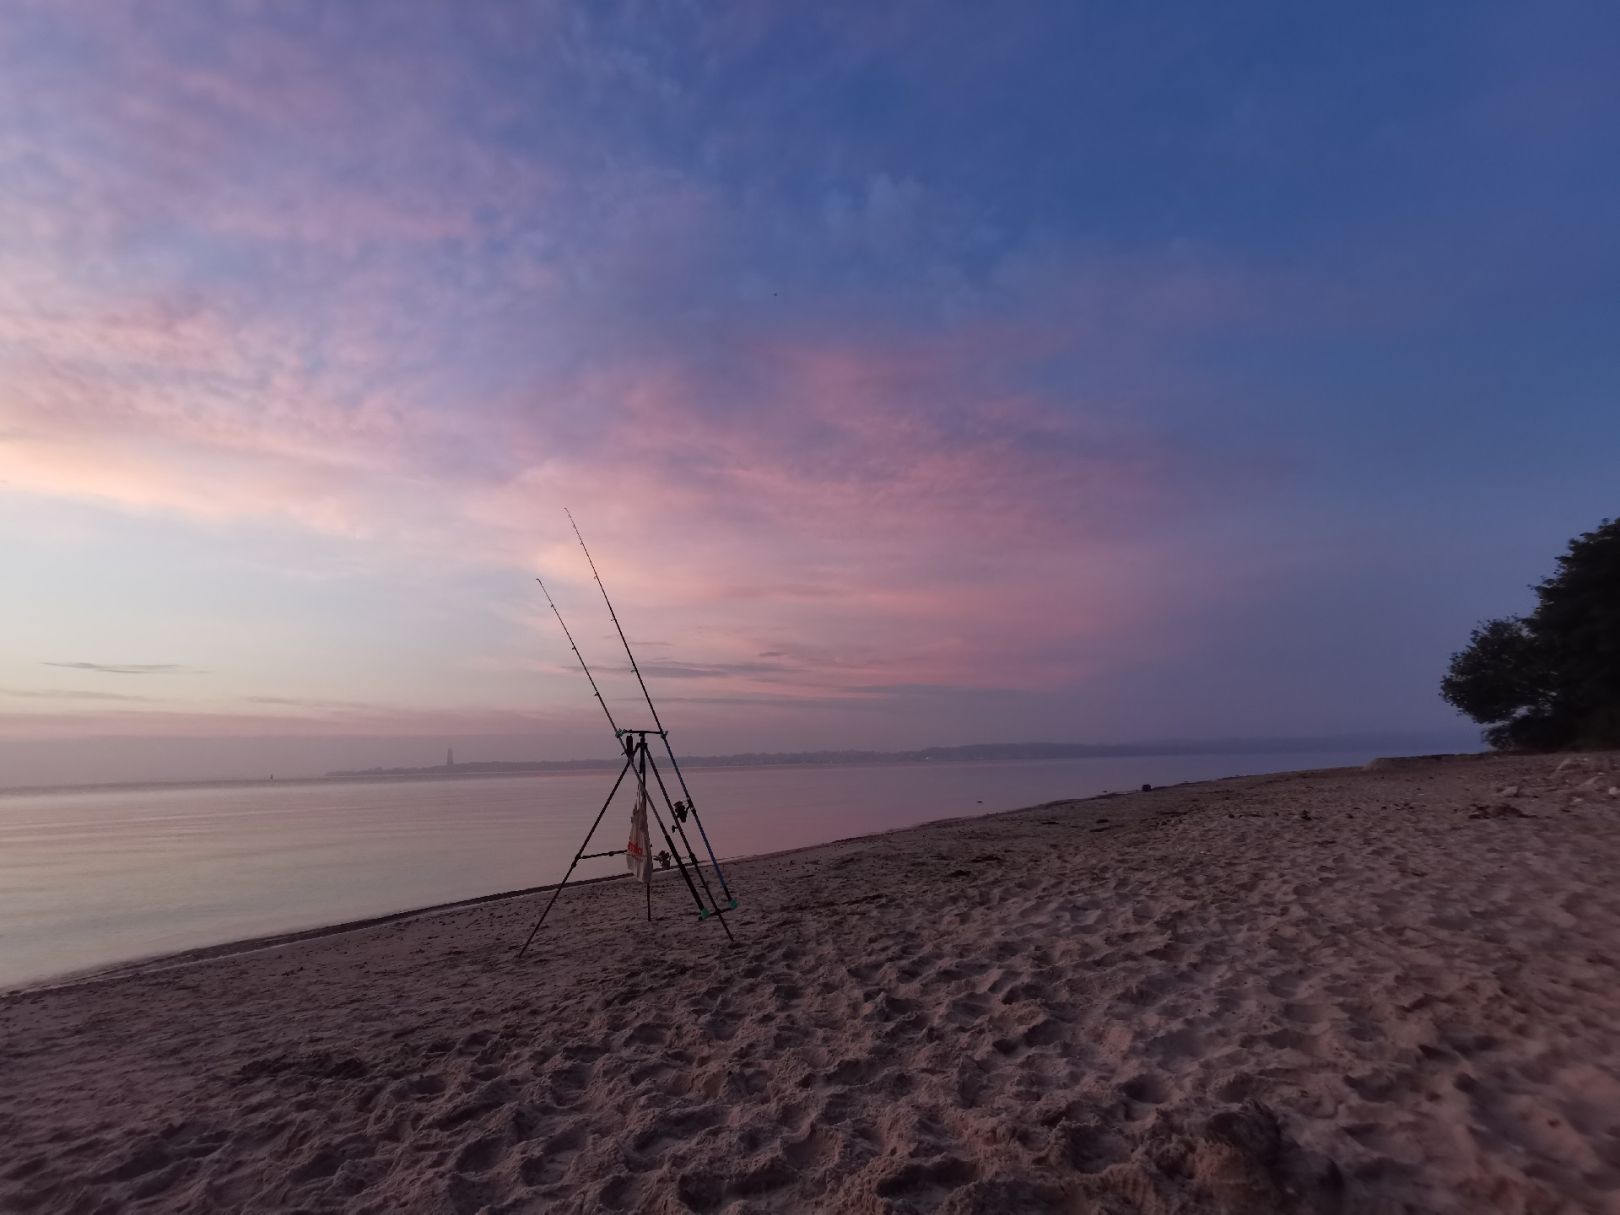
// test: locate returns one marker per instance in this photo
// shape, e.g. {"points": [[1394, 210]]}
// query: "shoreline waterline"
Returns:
{"points": [[156, 963], [159, 962], [91, 884]]}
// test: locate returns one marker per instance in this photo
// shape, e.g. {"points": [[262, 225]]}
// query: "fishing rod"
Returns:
{"points": [[615, 617], [664, 734], [581, 657], [637, 763]]}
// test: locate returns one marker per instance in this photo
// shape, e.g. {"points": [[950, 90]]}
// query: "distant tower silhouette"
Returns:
{"points": [[450, 757]]}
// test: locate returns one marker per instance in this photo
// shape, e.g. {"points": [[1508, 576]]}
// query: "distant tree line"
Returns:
{"points": [[973, 752], [1551, 680]]}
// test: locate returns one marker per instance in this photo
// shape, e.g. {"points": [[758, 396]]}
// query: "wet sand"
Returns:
{"points": [[1381, 990]]}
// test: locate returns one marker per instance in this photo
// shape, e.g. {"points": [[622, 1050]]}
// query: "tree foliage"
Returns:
{"points": [[1551, 679]]}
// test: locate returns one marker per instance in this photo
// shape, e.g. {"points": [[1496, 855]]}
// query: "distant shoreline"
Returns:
{"points": [[973, 753]]}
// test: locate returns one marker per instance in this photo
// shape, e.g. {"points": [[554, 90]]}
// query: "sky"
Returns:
{"points": [[920, 374]]}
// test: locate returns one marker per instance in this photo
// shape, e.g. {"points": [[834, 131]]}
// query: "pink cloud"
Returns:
{"points": [[878, 506], [920, 539], [900, 533], [885, 502]]}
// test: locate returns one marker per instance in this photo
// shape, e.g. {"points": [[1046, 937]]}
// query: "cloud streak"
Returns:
{"points": [[128, 668], [68, 694]]}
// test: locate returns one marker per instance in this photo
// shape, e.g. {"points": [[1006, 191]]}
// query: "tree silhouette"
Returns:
{"points": [[1551, 679]]}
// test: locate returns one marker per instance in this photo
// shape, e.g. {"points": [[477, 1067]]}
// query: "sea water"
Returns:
{"points": [[89, 878]]}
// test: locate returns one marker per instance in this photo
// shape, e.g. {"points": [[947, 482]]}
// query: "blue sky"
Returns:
{"points": [[921, 374]]}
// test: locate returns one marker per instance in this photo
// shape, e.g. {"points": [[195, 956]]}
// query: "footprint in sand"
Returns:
{"points": [[811, 1152], [568, 1081], [550, 1163], [967, 1010], [621, 1193], [647, 1033], [1045, 1033], [1146, 1089], [1176, 1047], [481, 1154], [1091, 1149], [1306, 1013], [419, 1088], [916, 1181], [674, 1126]]}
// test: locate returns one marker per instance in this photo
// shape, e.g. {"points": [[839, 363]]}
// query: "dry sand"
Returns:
{"points": [[1385, 990]]}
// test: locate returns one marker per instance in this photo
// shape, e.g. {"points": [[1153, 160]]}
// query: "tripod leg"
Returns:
{"points": [[718, 911], [687, 793], [641, 780], [681, 831], [623, 772], [703, 911], [679, 863]]}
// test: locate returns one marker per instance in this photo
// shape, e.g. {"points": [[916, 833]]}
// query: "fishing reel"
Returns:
{"points": [[680, 810]]}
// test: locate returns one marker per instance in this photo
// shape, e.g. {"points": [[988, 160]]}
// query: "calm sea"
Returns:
{"points": [[91, 878]]}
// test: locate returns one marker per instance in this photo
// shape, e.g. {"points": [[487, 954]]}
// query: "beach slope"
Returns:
{"points": [[1382, 990]]}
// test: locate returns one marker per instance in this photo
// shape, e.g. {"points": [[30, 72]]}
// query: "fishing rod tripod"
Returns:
{"points": [[638, 761]]}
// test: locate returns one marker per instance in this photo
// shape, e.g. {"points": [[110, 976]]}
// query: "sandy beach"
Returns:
{"points": [[1380, 990]]}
